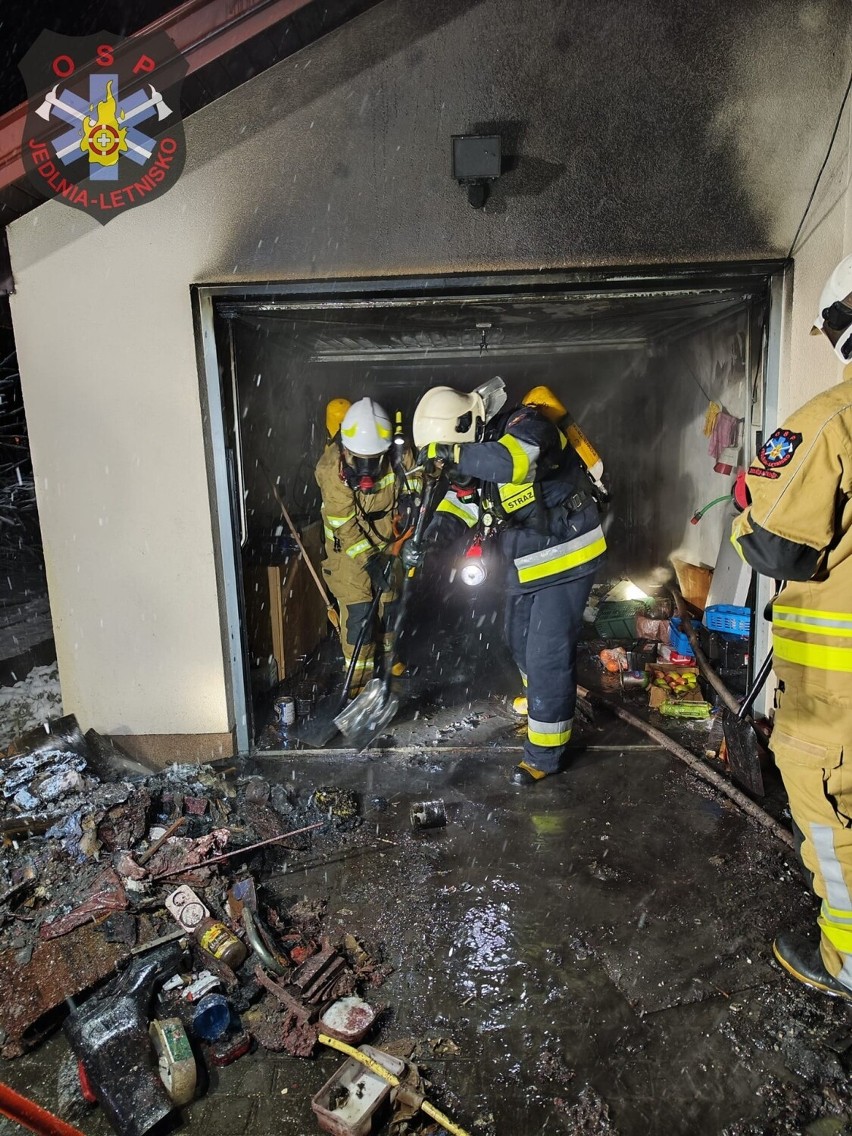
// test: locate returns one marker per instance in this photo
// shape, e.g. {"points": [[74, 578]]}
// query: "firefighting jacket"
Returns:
{"points": [[357, 524], [798, 528], [531, 489]]}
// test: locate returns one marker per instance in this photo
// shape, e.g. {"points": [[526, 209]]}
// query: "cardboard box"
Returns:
{"points": [[657, 695]]}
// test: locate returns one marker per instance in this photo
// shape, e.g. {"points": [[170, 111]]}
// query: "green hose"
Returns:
{"points": [[699, 513]]}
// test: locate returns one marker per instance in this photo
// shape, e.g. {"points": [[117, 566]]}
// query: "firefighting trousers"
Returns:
{"points": [[542, 629], [350, 586], [818, 780]]}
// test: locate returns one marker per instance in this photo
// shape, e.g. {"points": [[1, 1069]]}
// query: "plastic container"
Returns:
{"points": [[724, 617], [354, 1097], [616, 619], [211, 1018], [348, 1019], [678, 641]]}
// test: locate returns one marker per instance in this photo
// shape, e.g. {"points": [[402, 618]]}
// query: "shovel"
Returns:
{"points": [[741, 736], [369, 713], [323, 727]]}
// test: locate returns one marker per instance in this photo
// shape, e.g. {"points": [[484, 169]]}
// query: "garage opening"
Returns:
{"points": [[645, 365]]}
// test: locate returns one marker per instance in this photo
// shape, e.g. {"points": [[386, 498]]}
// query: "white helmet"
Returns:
{"points": [[834, 318], [366, 429], [447, 415]]}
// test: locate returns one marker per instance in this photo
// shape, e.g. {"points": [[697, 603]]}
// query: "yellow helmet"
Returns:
{"points": [[335, 412], [546, 401]]}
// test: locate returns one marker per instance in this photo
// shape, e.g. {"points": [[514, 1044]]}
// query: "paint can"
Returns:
{"points": [[636, 680], [285, 710], [428, 814]]}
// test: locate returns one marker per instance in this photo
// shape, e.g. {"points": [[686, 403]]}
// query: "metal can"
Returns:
{"points": [[428, 814], [285, 710]]}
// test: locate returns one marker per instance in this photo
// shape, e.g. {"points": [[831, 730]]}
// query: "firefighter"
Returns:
{"points": [[362, 500], [796, 526], [516, 484]]}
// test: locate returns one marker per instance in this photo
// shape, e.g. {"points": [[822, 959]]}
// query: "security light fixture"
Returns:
{"points": [[476, 162]]}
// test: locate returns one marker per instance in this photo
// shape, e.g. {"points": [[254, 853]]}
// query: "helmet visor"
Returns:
{"points": [[835, 322]]}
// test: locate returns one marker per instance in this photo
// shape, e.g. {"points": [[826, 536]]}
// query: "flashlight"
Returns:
{"points": [[473, 571]]}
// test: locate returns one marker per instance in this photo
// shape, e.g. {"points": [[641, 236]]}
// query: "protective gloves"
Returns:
{"points": [[378, 568], [411, 556], [439, 457]]}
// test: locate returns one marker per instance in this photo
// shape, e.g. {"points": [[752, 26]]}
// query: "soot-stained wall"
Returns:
{"points": [[643, 132]]}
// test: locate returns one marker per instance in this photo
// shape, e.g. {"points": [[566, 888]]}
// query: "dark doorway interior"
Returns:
{"points": [[638, 368]]}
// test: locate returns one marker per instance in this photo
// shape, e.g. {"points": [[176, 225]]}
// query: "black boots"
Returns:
{"points": [[800, 957], [526, 775]]}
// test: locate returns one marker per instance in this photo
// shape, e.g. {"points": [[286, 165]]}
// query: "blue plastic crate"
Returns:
{"points": [[732, 620], [677, 640]]}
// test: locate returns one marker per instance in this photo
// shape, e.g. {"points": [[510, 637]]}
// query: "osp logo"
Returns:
{"points": [[103, 130]]}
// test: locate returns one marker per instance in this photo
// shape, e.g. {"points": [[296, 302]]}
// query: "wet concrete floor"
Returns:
{"points": [[590, 955]]}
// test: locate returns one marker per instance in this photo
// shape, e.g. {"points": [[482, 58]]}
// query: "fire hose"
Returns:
{"points": [[31, 1115], [386, 1075]]}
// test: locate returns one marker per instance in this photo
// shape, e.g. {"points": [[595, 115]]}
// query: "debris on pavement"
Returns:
{"points": [[154, 881]]}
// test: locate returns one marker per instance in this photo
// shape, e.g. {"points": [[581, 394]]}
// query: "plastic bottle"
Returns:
{"points": [[685, 709], [214, 937]]}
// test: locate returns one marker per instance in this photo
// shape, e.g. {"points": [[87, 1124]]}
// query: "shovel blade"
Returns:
{"points": [[369, 713], [743, 754]]}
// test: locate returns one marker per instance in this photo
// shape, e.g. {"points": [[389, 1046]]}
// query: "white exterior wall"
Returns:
{"points": [[808, 363], [107, 354], [335, 163]]}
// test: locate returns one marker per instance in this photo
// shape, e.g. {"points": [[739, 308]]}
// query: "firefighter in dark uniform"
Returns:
{"points": [[796, 526], [516, 483]]}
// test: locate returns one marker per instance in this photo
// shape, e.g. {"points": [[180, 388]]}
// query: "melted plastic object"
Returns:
{"points": [[109, 1035]]}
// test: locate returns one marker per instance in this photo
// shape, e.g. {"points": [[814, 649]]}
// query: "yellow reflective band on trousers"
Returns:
{"points": [[561, 557], [836, 915], [514, 497], [448, 505], [815, 655], [520, 458], [549, 733], [837, 927]]}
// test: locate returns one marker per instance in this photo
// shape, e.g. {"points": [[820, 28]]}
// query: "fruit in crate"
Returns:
{"points": [[677, 683]]}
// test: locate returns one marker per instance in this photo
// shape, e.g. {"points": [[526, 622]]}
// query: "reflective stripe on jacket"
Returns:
{"points": [[528, 475], [355, 524], [798, 528]]}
